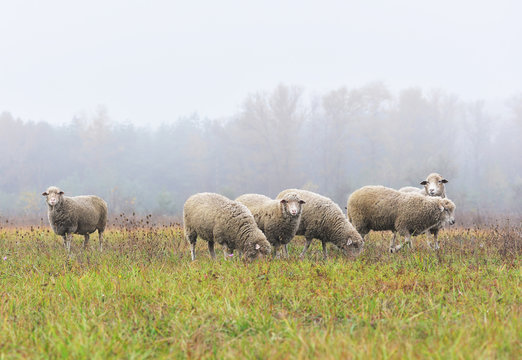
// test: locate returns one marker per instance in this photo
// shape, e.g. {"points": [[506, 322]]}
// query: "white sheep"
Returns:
{"points": [[323, 219], [81, 215], [215, 218], [433, 186], [277, 219], [380, 208]]}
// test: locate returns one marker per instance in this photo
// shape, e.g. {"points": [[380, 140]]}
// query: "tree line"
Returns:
{"points": [[332, 143]]}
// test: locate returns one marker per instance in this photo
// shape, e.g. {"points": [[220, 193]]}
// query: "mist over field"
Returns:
{"points": [[331, 144], [146, 104]]}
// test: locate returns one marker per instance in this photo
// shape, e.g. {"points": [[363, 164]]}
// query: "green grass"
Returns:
{"points": [[144, 298]]}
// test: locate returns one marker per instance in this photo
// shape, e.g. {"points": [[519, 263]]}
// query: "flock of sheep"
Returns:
{"points": [[256, 225]]}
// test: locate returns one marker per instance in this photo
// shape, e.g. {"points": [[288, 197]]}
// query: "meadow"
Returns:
{"points": [[143, 298]]}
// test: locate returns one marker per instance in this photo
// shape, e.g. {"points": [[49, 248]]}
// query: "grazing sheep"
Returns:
{"points": [[380, 208], [216, 218], [277, 219], [323, 219], [433, 186], [81, 215]]}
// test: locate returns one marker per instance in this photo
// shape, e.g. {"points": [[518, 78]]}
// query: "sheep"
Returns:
{"points": [[81, 215], [277, 219], [324, 220], [380, 208], [413, 189], [216, 218], [433, 186]]}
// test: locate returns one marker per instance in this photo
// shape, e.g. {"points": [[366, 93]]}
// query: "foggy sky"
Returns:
{"points": [[150, 62]]}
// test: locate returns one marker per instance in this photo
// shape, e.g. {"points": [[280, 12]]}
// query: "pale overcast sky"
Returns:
{"points": [[154, 61]]}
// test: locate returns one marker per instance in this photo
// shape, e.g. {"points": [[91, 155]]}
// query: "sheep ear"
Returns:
{"points": [[283, 201], [349, 242], [258, 246], [302, 202], [45, 193], [444, 181], [441, 208], [423, 182], [61, 193]]}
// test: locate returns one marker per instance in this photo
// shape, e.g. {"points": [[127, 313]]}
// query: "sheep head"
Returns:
{"points": [[258, 248], [53, 195], [352, 243], [434, 184], [447, 207], [291, 204]]}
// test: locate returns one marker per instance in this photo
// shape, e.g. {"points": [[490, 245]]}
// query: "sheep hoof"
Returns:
{"points": [[396, 248], [392, 250], [434, 247]]}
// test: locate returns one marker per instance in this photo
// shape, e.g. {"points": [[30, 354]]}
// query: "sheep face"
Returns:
{"points": [[291, 204], [258, 249], [353, 248], [53, 195], [447, 207], [434, 184], [354, 245]]}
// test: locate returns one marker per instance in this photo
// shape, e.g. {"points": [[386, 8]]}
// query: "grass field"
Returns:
{"points": [[144, 298]]}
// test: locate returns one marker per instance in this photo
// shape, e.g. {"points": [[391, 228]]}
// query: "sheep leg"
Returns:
{"points": [[100, 239], [392, 242], [285, 248], [226, 252], [192, 238], [410, 242], [193, 250], [436, 242], [407, 239], [67, 242], [211, 249], [400, 246], [324, 249], [307, 245], [86, 241], [274, 252]]}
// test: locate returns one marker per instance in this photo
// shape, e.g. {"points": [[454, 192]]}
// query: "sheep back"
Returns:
{"points": [[413, 189]]}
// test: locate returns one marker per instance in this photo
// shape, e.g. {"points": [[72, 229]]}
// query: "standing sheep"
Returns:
{"points": [[216, 218], [323, 219], [81, 215], [277, 219], [380, 208], [433, 186]]}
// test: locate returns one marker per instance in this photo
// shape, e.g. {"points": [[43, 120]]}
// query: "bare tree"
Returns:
{"points": [[264, 139]]}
